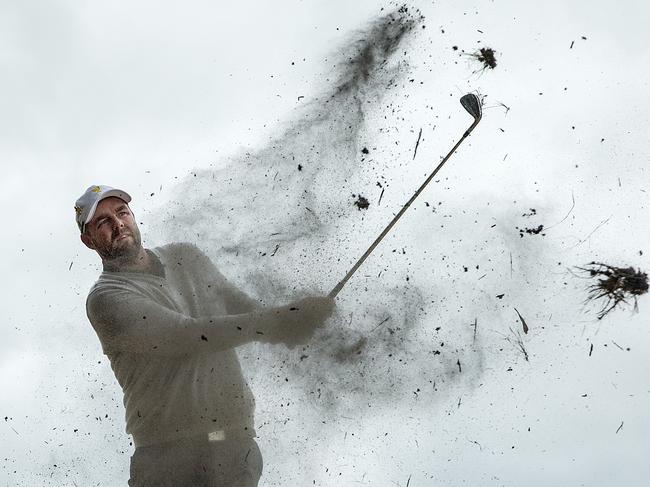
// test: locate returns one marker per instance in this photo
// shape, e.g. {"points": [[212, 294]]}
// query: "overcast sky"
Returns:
{"points": [[138, 94]]}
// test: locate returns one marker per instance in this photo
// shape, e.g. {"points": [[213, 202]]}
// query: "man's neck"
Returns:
{"points": [[141, 262]]}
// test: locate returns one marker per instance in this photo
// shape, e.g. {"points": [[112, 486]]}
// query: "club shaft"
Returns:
{"points": [[334, 292]]}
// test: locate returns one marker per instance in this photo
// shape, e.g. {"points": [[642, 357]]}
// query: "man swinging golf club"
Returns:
{"points": [[169, 322]]}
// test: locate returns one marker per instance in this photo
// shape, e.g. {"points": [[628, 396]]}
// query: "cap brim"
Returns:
{"points": [[118, 193]]}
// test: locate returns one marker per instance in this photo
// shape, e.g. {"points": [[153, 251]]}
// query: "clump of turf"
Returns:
{"points": [[615, 285], [486, 56]]}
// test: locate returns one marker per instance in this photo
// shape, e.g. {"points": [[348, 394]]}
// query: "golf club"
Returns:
{"points": [[472, 104]]}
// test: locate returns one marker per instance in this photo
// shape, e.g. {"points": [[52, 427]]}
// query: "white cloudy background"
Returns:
{"points": [[137, 94]]}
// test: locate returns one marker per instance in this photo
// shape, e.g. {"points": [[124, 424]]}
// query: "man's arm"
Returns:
{"points": [[127, 321], [236, 300]]}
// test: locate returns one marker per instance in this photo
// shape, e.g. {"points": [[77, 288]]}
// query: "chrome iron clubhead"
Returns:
{"points": [[472, 104]]}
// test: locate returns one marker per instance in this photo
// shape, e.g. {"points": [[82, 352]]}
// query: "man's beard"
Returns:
{"points": [[122, 253]]}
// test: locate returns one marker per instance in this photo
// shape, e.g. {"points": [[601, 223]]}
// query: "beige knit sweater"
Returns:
{"points": [[170, 342]]}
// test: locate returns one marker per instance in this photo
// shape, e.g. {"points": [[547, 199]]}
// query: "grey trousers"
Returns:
{"points": [[188, 463]]}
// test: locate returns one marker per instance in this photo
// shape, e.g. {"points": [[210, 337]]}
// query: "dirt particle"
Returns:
{"points": [[361, 202], [523, 322], [531, 231]]}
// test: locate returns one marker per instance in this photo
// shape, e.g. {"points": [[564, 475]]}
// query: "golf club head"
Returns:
{"points": [[472, 104]]}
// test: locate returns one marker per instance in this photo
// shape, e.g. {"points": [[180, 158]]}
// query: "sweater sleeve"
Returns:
{"points": [[236, 300], [128, 321]]}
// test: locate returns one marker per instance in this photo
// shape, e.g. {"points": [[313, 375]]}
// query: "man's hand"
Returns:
{"points": [[295, 324]]}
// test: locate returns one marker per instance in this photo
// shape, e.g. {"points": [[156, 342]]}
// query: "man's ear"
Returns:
{"points": [[88, 242]]}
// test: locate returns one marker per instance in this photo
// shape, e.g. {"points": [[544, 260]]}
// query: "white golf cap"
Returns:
{"points": [[87, 204]]}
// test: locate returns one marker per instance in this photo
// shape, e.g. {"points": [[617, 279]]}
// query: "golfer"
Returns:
{"points": [[169, 322]]}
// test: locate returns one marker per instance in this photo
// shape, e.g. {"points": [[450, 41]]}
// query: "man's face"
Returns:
{"points": [[113, 232]]}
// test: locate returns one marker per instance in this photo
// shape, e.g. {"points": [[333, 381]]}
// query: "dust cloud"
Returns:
{"points": [[281, 220]]}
